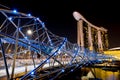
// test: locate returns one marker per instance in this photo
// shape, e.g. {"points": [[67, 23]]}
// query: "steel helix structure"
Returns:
{"points": [[29, 48]]}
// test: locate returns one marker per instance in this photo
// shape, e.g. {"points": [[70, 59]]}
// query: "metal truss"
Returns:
{"points": [[27, 43]]}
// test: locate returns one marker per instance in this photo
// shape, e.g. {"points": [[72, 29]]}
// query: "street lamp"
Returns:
{"points": [[29, 32]]}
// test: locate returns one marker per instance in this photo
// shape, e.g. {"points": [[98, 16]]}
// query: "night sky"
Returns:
{"points": [[58, 18]]}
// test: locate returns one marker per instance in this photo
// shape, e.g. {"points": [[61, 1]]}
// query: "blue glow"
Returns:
{"points": [[80, 66], [10, 18], [14, 11], [48, 60], [55, 54], [43, 24], [32, 73], [51, 44], [26, 38], [63, 70], [38, 18], [49, 40], [75, 48], [19, 29], [71, 70], [29, 14]]}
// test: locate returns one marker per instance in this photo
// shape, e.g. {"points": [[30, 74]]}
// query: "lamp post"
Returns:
{"points": [[30, 32]]}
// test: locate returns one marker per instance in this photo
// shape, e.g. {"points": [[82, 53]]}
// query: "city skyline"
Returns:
{"points": [[58, 17]]}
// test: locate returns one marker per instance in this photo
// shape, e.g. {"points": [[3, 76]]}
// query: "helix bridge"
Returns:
{"points": [[28, 50]]}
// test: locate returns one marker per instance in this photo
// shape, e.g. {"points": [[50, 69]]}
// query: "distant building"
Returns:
{"points": [[113, 52], [90, 36]]}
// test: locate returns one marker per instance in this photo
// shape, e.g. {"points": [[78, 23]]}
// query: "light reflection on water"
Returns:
{"points": [[107, 75]]}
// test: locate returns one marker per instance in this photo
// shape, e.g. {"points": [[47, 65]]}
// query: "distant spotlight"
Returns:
{"points": [[10, 18], [71, 70], [55, 54], [63, 70], [14, 11], [75, 48], [77, 15], [19, 29], [43, 25], [32, 73], [29, 14], [48, 61], [38, 18], [26, 37]]}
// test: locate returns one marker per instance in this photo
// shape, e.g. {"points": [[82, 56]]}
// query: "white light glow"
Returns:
{"points": [[29, 32]]}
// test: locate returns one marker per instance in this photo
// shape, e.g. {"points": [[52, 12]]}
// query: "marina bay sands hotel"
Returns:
{"points": [[90, 36]]}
